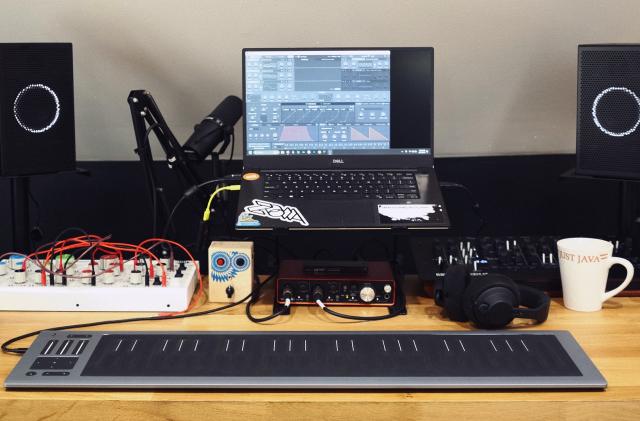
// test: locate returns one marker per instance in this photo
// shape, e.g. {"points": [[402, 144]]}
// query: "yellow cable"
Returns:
{"points": [[207, 211]]}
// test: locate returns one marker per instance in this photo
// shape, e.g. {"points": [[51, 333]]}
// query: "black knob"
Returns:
{"points": [[229, 291], [318, 294]]}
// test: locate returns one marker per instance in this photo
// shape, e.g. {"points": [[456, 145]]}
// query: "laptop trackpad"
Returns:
{"points": [[359, 214]]}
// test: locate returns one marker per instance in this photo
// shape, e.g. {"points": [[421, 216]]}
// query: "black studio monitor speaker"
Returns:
{"points": [[608, 123], [37, 133]]}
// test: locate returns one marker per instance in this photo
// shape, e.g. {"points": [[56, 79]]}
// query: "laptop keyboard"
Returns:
{"points": [[341, 185]]}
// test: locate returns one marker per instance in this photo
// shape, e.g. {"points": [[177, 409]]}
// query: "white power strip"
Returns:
{"points": [[115, 290]]}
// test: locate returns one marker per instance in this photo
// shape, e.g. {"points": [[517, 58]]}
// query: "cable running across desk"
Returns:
{"points": [[19, 351]]}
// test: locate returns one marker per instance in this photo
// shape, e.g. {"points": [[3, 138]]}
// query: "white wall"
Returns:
{"points": [[505, 70]]}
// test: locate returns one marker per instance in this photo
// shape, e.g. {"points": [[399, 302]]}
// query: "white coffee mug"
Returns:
{"points": [[584, 268]]}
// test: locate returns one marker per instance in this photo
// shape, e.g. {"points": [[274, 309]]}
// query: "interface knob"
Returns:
{"points": [[367, 294], [318, 293]]}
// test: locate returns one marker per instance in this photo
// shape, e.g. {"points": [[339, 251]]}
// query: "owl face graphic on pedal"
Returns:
{"points": [[226, 266]]}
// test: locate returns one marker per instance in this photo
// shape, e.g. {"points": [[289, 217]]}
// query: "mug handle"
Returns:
{"points": [[627, 264]]}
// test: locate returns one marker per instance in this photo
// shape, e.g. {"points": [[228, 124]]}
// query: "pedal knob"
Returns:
{"points": [[86, 276], [3, 268], [108, 277], [19, 276], [135, 277], [229, 291], [367, 294]]}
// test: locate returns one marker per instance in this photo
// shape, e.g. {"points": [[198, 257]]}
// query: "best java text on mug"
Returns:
{"points": [[584, 268]]}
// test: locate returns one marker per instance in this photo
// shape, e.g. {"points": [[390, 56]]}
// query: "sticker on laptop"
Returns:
{"points": [[404, 213], [250, 176], [245, 219], [272, 210]]}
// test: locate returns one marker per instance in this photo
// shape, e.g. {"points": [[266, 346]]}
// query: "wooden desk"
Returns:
{"points": [[610, 337]]}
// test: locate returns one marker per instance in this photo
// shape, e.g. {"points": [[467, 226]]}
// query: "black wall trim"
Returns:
{"points": [[518, 195]]}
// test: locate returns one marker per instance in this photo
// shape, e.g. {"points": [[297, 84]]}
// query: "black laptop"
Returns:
{"points": [[339, 138]]}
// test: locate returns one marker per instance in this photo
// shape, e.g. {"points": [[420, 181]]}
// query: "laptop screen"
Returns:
{"points": [[338, 102]]}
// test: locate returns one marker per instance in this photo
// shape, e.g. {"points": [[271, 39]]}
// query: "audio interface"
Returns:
{"points": [[376, 287], [105, 286]]}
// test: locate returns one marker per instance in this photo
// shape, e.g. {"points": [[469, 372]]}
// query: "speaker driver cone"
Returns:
{"points": [[616, 111], [36, 108]]}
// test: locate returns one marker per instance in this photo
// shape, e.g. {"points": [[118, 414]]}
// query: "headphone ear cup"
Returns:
{"points": [[453, 287], [490, 301]]}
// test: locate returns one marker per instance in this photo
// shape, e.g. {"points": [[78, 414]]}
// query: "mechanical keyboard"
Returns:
{"points": [[530, 260], [341, 185]]}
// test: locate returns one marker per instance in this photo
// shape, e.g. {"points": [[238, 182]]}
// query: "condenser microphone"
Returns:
{"points": [[213, 129]]}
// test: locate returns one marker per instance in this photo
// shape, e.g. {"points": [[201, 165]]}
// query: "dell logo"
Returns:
{"points": [[337, 161]]}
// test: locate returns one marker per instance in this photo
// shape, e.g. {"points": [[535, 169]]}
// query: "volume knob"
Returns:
{"points": [[367, 294]]}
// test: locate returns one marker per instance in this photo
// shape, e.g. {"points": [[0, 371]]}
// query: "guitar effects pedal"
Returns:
{"points": [[230, 271]]}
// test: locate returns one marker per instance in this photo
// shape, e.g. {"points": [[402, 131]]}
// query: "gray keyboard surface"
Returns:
{"points": [[408, 359]]}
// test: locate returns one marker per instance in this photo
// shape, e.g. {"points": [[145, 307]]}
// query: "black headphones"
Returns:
{"points": [[490, 301]]}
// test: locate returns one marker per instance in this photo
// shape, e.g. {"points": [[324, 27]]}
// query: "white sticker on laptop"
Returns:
{"points": [[407, 213], [272, 210], [247, 220]]}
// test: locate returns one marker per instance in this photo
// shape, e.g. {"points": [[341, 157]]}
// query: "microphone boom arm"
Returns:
{"points": [[146, 114], [147, 118]]}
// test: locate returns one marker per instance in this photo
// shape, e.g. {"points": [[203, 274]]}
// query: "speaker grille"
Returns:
{"points": [[37, 132], [608, 123]]}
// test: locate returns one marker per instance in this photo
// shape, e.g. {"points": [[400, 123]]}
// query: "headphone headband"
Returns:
{"points": [[536, 304]]}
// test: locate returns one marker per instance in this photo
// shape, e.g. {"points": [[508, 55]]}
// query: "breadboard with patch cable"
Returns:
{"points": [[102, 286]]}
